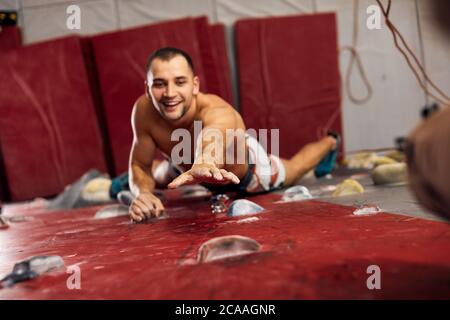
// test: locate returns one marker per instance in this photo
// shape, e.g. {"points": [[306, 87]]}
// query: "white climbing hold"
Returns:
{"points": [[226, 247], [296, 193], [243, 207], [367, 210]]}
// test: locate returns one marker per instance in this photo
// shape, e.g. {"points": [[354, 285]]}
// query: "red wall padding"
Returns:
{"points": [[121, 58], [219, 49], [48, 127], [289, 76], [10, 38], [214, 58], [211, 82]]}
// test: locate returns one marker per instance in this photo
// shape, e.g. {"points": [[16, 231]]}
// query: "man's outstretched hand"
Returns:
{"points": [[204, 173]]}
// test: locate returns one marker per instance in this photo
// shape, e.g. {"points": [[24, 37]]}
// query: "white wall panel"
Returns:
{"points": [[9, 5], [49, 21], [436, 43], [228, 11], [396, 102], [138, 12]]}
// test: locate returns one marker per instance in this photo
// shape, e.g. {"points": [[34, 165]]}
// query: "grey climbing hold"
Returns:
{"points": [[367, 210], [71, 197], [296, 193], [3, 223], [32, 268], [243, 207], [226, 247], [125, 197], [116, 210], [219, 203]]}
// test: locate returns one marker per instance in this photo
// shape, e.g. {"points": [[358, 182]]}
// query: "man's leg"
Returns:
{"points": [[306, 159]]}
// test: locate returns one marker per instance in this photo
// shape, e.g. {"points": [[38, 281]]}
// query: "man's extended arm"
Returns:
{"points": [[141, 180], [210, 158]]}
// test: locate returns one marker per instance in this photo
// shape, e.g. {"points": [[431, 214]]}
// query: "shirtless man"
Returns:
{"points": [[173, 101]]}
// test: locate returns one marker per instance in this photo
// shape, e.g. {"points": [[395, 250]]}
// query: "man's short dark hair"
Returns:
{"points": [[166, 54]]}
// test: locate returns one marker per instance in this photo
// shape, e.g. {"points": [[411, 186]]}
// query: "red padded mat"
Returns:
{"points": [[223, 64], [10, 38], [310, 249], [121, 58], [208, 58], [289, 76], [48, 128]]}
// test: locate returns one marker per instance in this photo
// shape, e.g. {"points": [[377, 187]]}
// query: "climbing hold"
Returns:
{"points": [[367, 210], [296, 193], [396, 155], [3, 223], [72, 197], [32, 268], [248, 220], [218, 207], [219, 203], [97, 189], [112, 211], [243, 207], [389, 174], [348, 187], [125, 197], [226, 247], [378, 161]]}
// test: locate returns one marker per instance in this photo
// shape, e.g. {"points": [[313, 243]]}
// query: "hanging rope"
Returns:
{"points": [[355, 57], [442, 98]]}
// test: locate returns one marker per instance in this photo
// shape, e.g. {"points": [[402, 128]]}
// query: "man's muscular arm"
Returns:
{"points": [[141, 181], [211, 156]]}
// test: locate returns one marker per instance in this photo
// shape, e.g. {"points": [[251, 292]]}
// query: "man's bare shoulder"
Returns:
{"points": [[213, 105], [207, 100], [142, 106], [144, 112], [143, 115], [214, 108]]}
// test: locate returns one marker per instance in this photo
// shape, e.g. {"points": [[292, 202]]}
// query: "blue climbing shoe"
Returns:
{"points": [[326, 165]]}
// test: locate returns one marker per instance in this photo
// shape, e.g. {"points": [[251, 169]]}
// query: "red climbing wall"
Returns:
{"points": [[289, 76], [310, 250], [48, 128]]}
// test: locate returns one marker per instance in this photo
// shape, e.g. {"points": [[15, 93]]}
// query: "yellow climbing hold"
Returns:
{"points": [[348, 187]]}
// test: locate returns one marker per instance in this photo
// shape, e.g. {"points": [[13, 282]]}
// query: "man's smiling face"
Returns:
{"points": [[172, 86]]}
